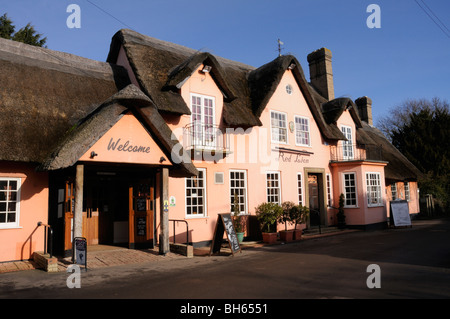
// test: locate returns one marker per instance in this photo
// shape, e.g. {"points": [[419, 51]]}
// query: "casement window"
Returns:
{"points": [[203, 128], [302, 135], [9, 202], [350, 190], [373, 182], [407, 193], [238, 190], [347, 146], [278, 123], [196, 194], [300, 188], [394, 191], [273, 187], [328, 176]]}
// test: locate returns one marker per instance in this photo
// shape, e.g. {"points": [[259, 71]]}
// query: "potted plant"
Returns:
{"points": [[299, 215], [340, 215], [238, 220], [286, 218], [268, 214]]}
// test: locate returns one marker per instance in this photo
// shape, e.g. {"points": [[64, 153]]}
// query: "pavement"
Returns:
{"points": [[99, 256]]}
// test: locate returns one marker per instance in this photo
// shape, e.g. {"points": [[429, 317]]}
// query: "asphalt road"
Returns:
{"points": [[414, 263]]}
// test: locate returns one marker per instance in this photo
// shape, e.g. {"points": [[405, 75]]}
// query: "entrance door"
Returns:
{"points": [[141, 209], [314, 199], [90, 218]]}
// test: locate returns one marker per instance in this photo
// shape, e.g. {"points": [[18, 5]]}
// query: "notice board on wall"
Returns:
{"points": [[400, 213], [224, 224]]}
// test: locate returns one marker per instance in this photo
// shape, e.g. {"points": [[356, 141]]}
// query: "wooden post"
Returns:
{"points": [[78, 213], [164, 213]]}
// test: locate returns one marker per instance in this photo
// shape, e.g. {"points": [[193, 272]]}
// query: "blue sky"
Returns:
{"points": [[408, 57]]}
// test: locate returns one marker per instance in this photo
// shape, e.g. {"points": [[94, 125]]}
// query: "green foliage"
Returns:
{"points": [[286, 216], [425, 140], [299, 215], [26, 34], [268, 215], [341, 215]]}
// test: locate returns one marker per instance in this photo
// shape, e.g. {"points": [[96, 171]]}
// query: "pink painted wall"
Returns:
{"points": [[19, 243]]}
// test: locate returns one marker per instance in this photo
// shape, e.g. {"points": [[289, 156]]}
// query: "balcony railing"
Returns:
{"points": [[356, 152], [198, 136]]}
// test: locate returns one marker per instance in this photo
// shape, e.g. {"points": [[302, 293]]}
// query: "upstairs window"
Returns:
{"points": [[9, 202], [278, 123], [302, 136], [347, 146], [407, 193], [203, 128]]}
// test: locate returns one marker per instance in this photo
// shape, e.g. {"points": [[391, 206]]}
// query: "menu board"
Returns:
{"points": [[224, 224], [400, 213]]}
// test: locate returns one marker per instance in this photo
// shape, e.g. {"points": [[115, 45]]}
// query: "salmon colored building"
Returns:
{"points": [[150, 146]]}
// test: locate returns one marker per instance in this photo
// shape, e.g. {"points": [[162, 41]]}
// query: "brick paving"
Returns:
{"points": [[107, 256]]}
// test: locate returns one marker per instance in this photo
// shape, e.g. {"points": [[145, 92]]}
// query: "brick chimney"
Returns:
{"points": [[364, 105], [321, 72]]}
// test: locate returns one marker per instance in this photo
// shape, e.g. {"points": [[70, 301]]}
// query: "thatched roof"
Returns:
{"points": [[161, 67], [54, 106], [399, 168], [90, 129], [43, 93]]}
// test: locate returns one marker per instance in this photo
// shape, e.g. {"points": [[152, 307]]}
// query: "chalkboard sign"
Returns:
{"points": [[400, 213], [141, 204], [141, 225], [224, 224], [80, 251]]}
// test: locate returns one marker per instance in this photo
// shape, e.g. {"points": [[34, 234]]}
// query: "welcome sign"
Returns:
{"points": [[126, 142]]}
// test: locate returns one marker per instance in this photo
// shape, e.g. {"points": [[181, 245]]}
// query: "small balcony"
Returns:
{"points": [[356, 152], [198, 137]]}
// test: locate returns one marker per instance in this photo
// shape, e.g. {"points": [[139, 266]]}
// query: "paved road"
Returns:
{"points": [[414, 263]]}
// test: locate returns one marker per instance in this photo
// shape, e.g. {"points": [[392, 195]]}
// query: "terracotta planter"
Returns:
{"points": [[297, 234], [269, 238], [286, 235]]}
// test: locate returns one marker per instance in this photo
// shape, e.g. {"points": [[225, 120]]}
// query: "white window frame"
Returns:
{"points": [[407, 191], [373, 188], [203, 138], [302, 133], [269, 187], [203, 188], [285, 128], [234, 188], [300, 188], [347, 146], [329, 189], [345, 190], [394, 190], [6, 202]]}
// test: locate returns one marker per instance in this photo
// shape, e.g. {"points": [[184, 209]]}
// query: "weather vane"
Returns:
{"points": [[280, 43]]}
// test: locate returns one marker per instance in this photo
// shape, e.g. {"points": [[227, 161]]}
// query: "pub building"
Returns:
{"points": [[115, 151]]}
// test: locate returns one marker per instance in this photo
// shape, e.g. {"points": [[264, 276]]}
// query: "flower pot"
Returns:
{"points": [[286, 235], [297, 234], [240, 237], [269, 238]]}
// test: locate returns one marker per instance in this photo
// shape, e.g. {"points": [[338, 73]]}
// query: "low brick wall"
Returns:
{"points": [[185, 250], [45, 262]]}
